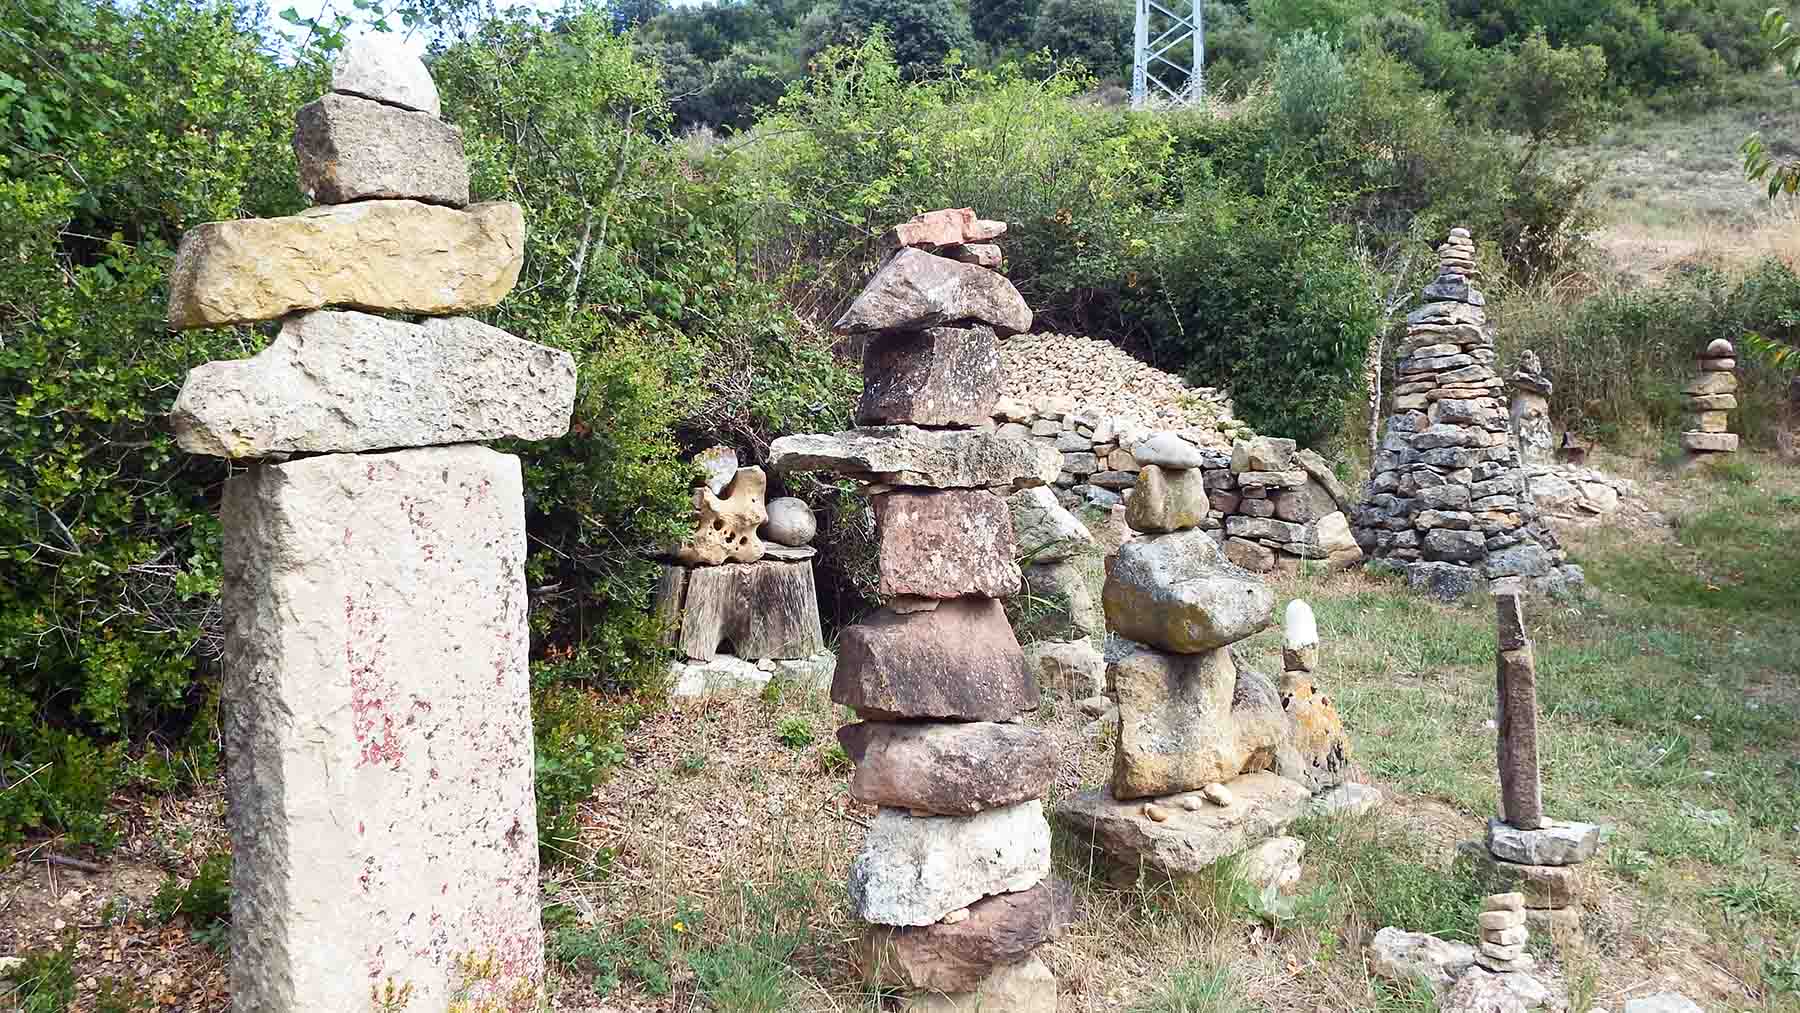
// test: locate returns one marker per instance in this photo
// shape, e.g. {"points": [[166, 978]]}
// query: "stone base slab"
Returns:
{"points": [[378, 739], [1195, 834]]}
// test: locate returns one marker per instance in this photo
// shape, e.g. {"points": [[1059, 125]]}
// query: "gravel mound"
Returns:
{"points": [[1100, 377]]}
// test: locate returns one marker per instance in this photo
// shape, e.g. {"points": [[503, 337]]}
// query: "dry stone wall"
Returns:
{"points": [[376, 701], [1267, 503]]}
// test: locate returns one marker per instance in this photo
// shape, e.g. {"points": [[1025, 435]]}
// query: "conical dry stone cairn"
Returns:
{"points": [[1212, 756], [1710, 399], [1449, 500], [954, 875], [378, 735]]}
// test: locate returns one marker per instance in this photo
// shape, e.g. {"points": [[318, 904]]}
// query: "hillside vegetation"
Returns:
{"points": [[702, 189]]}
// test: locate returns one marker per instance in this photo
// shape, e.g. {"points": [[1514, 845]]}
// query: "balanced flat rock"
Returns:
{"points": [[352, 148], [1190, 839], [940, 376], [915, 290], [397, 255], [914, 870], [957, 662], [1177, 592], [933, 459], [945, 543], [378, 730], [1557, 842], [346, 381], [956, 957], [949, 768]]}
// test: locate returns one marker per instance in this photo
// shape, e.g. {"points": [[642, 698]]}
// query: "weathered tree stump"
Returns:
{"points": [[768, 609]]}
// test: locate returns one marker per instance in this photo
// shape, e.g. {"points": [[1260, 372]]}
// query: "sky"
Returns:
{"points": [[416, 41]]}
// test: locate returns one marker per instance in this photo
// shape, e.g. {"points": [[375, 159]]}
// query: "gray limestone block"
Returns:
{"points": [[377, 725], [905, 455], [351, 148], [914, 870], [915, 290], [344, 381]]}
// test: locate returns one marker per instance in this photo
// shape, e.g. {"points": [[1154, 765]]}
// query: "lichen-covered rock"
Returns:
{"points": [[345, 381], [1045, 531], [914, 870], [375, 656], [945, 543], [1072, 669], [1262, 453], [1406, 958], [1177, 729], [894, 665], [376, 66], [1178, 593], [939, 376], [1165, 500], [950, 768], [397, 255], [1319, 742], [351, 148], [951, 958], [916, 290], [725, 527], [933, 459]]}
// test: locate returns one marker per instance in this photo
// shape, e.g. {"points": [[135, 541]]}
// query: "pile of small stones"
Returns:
{"points": [[1710, 399], [1449, 500], [1053, 373], [953, 876]]}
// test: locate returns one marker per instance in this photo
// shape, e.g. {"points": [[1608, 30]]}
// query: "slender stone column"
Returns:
{"points": [[1521, 793]]}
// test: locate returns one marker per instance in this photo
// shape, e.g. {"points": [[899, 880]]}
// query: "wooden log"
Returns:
{"points": [[1521, 788], [671, 589], [768, 609]]}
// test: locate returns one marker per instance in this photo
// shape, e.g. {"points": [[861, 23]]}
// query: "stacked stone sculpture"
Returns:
{"points": [[1709, 400], [1501, 934], [1525, 852], [954, 875], [377, 715], [739, 598], [1211, 756], [1530, 413], [1282, 506], [1449, 501]]}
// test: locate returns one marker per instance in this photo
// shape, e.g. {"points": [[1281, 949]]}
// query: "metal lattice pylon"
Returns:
{"points": [[1150, 54]]}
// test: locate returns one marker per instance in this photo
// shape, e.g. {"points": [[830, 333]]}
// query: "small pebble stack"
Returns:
{"points": [[1502, 934], [954, 874], [1450, 502], [1709, 401]]}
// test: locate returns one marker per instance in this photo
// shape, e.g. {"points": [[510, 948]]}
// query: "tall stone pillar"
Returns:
{"points": [[954, 875], [378, 741], [1530, 413]]}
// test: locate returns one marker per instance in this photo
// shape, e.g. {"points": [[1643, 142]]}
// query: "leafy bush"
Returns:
{"points": [[1262, 295], [1620, 355]]}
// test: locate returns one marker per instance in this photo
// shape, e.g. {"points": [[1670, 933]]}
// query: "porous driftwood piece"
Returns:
{"points": [[1521, 793], [768, 609]]}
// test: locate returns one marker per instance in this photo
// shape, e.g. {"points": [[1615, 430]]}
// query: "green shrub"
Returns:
{"points": [[578, 741], [1263, 296], [45, 982]]}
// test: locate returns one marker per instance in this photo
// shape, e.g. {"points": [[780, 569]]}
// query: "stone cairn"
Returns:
{"points": [[1501, 935], [738, 597], [1449, 500], [1709, 401], [954, 874], [377, 716], [1525, 852], [1530, 413], [1211, 756]]}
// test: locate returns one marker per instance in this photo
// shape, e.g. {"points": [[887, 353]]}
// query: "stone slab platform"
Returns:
{"points": [[378, 732], [1121, 836]]}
